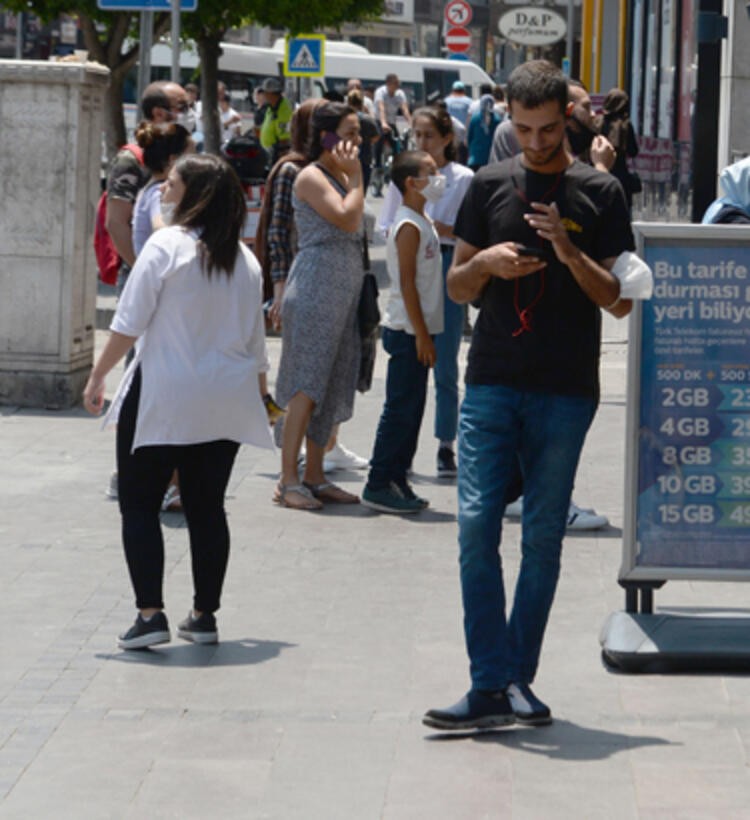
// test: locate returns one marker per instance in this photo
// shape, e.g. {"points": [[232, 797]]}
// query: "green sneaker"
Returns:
{"points": [[390, 500], [408, 492]]}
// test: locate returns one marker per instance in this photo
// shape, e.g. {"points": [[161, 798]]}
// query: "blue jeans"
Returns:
{"points": [[447, 345], [546, 432], [398, 428]]}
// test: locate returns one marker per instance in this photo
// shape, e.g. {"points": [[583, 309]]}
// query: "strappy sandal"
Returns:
{"points": [[285, 495], [331, 493]]}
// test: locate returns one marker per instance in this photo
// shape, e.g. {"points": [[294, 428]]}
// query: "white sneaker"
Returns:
{"points": [[580, 519], [172, 501], [515, 508], [339, 458], [111, 491]]}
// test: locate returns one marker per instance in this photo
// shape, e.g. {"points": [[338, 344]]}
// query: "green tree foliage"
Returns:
{"points": [[106, 37], [105, 34]]}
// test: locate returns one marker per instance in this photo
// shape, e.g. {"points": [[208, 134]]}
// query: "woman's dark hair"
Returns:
{"points": [[442, 121], [326, 117], [214, 205], [537, 82], [160, 142], [301, 126], [617, 118], [300, 138]]}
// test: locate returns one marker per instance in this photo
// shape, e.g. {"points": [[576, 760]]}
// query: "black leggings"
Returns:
{"points": [[143, 477]]}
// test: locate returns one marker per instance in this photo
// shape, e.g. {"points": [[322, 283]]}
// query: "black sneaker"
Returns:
{"points": [[145, 633], [476, 710], [446, 463], [199, 630], [528, 709]]}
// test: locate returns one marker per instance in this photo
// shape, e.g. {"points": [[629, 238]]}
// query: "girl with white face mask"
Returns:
{"points": [[432, 131]]}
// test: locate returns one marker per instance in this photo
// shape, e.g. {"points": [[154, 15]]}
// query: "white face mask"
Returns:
{"points": [[434, 189], [187, 120], [167, 212]]}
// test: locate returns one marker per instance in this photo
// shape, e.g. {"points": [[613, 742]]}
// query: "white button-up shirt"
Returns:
{"points": [[201, 345]]}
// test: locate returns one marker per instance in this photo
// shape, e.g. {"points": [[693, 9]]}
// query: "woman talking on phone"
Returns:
{"points": [[320, 340], [192, 307]]}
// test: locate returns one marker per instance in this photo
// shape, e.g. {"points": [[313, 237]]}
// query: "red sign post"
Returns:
{"points": [[457, 39]]}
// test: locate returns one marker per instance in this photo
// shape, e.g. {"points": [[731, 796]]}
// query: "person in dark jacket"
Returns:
{"points": [[618, 129]]}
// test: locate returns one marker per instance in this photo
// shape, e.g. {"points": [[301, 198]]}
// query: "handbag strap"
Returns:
{"points": [[365, 252]]}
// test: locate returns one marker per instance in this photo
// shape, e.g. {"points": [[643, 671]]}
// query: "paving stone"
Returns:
{"points": [[338, 630]]}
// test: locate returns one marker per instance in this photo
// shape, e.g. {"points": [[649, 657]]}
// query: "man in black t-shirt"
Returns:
{"points": [[537, 236]]}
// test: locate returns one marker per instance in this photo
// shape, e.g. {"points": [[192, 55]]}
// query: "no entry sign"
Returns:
{"points": [[458, 39]]}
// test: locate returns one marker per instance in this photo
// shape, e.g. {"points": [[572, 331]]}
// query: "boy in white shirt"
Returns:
{"points": [[413, 316]]}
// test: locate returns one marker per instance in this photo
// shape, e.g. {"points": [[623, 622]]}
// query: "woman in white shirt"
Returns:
{"points": [[192, 307], [162, 143]]}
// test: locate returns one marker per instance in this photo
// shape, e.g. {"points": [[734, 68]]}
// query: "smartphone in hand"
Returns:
{"points": [[539, 253]]}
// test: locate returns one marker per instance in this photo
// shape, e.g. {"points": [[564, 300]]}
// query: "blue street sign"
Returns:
{"points": [[304, 56], [456, 56], [145, 5]]}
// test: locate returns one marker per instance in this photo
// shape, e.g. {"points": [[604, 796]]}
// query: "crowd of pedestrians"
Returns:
{"points": [[528, 229]]}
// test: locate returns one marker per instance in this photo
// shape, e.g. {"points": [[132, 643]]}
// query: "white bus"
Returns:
{"points": [[242, 68]]}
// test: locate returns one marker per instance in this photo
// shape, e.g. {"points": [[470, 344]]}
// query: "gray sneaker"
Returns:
{"points": [[145, 633], [199, 630]]}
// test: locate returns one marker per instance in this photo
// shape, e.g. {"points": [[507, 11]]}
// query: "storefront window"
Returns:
{"points": [[662, 95]]}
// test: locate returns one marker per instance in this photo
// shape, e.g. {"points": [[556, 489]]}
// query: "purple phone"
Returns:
{"points": [[330, 140]]}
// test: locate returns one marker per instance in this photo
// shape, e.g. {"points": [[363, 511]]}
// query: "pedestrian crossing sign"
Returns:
{"points": [[304, 56]]}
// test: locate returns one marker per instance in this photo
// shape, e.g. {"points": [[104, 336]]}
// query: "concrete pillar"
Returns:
{"points": [[50, 133]]}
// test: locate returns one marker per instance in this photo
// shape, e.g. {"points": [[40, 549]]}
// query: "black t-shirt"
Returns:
{"points": [[560, 353]]}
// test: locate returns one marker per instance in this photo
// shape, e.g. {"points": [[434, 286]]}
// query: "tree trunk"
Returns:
{"points": [[209, 50], [114, 118], [109, 53]]}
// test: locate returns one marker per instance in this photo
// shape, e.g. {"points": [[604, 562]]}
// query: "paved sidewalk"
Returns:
{"points": [[338, 630]]}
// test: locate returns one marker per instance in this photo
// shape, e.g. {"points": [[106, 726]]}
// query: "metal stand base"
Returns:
{"points": [[634, 642]]}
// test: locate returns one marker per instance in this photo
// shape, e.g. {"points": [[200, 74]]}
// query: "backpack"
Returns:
{"points": [[107, 258], [247, 157]]}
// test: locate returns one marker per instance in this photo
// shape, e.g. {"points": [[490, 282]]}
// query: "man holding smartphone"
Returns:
{"points": [[532, 382]]}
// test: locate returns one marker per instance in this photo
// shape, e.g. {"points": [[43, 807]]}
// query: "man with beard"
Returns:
{"points": [[584, 139], [537, 235], [588, 146], [161, 102]]}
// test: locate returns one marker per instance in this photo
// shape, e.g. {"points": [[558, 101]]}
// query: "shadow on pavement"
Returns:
{"points": [[562, 740], [606, 532], [241, 652]]}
